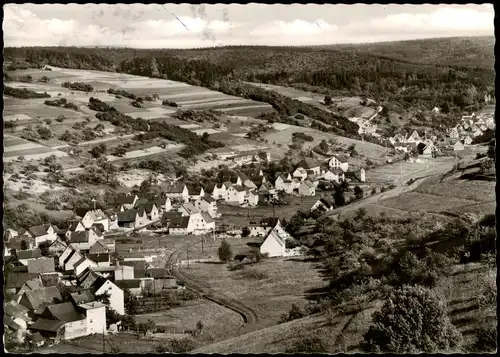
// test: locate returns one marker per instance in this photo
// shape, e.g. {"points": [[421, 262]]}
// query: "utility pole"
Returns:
{"points": [[202, 239], [103, 341], [93, 200], [187, 255]]}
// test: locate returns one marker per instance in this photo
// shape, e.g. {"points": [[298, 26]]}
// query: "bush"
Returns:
{"points": [[245, 232], [254, 274], [224, 251], [412, 320], [486, 339], [176, 346], [294, 314], [84, 87], [307, 344]]}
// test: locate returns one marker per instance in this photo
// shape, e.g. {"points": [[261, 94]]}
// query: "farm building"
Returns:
{"points": [[323, 204], [126, 201], [75, 324], [336, 175], [168, 216], [24, 255], [42, 233], [262, 228], [99, 247], [274, 244], [307, 188], [178, 191], [179, 226], [458, 146], [82, 241], [150, 209], [57, 247], [100, 259], [310, 164], [235, 195], [132, 218], [216, 190], [133, 285]]}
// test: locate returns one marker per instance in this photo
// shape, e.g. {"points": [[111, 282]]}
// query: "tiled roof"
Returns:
{"points": [[148, 206], [65, 312], [82, 296], [207, 217], [79, 237], [209, 199], [128, 284], [39, 296], [177, 188], [124, 199], [170, 215], [27, 254], [127, 216], [13, 309], [98, 215], [179, 222], [308, 163], [41, 265], [99, 257], [155, 273], [51, 279], [17, 280], [239, 188], [39, 231], [99, 247], [194, 190], [47, 325]]}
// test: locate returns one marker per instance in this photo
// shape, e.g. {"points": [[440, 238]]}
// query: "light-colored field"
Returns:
{"points": [[158, 110], [480, 191], [240, 135], [248, 147], [281, 126], [256, 106], [21, 147], [145, 152], [29, 157], [414, 201], [15, 117], [190, 126], [199, 101], [220, 102], [134, 177], [145, 115], [34, 187], [208, 131]]}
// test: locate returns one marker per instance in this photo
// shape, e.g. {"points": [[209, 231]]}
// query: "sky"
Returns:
{"points": [[193, 26]]}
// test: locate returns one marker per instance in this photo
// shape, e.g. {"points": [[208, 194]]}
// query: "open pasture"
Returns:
{"points": [[208, 131], [414, 202], [34, 154], [248, 147], [145, 115], [190, 126], [145, 152], [480, 191]]}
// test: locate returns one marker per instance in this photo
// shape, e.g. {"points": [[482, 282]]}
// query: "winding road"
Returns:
{"points": [[249, 316]]}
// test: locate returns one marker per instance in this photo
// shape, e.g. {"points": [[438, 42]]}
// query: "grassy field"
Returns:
{"points": [[480, 191], [286, 284], [414, 202], [218, 322], [345, 331]]}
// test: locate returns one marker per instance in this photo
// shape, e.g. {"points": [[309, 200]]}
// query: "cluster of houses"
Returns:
{"points": [[470, 127]]}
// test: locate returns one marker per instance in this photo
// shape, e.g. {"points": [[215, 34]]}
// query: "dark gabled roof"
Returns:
{"points": [[82, 296], [79, 237], [239, 188], [125, 199], [155, 273], [7, 320], [98, 228], [15, 242], [128, 284], [37, 337], [43, 295], [65, 312], [47, 325], [170, 215], [327, 202], [207, 217], [179, 222], [28, 254], [99, 257], [51, 279], [176, 188], [38, 231], [99, 247], [342, 158], [209, 199], [194, 190], [140, 201], [210, 187], [17, 280], [269, 221], [127, 216], [58, 242], [308, 163], [147, 206], [73, 225], [41, 265], [13, 309]]}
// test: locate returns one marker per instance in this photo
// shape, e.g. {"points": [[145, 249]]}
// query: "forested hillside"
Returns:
{"points": [[404, 74]]}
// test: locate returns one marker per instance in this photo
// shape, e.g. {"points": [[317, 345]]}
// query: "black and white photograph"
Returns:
{"points": [[249, 178]]}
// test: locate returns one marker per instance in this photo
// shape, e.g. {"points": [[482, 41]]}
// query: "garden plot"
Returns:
{"points": [[144, 152], [35, 186], [15, 117], [281, 126], [190, 126], [161, 111], [248, 147], [208, 131]]}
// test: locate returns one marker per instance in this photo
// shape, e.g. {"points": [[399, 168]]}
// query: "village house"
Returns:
{"points": [[453, 133], [110, 243], [283, 182], [164, 204], [150, 209], [235, 195], [81, 265], [100, 259], [251, 198], [42, 233], [262, 228], [310, 164], [82, 241], [36, 298], [468, 140], [217, 190], [57, 247], [300, 173], [414, 138], [178, 191], [209, 223], [132, 218], [187, 209], [458, 146], [64, 256], [168, 216], [96, 216], [306, 188], [323, 204], [14, 281], [24, 255], [41, 265], [339, 162], [73, 258], [207, 204], [195, 192], [76, 226], [127, 201], [274, 244], [162, 281], [435, 110], [477, 132], [34, 283], [16, 318], [8, 234], [95, 314], [100, 286], [133, 285], [74, 323], [254, 171], [336, 175], [179, 226]]}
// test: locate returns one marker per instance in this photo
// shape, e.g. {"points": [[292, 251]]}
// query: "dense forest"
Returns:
{"points": [[408, 74]]}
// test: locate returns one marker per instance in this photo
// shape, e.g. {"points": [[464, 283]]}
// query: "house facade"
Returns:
{"points": [[95, 314], [178, 192], [235, 195], [96, 216], [116, 298], [42, 233], [207, 204], [306, 188], [338, 162]]}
